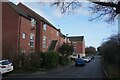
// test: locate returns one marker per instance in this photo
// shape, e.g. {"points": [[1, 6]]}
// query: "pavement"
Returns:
{"points": [[55, 70], [45, 71]]}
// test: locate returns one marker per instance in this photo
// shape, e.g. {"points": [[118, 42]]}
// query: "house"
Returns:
{"points": [[48, 36], [79, 44], [18, 31], [24, 31]]}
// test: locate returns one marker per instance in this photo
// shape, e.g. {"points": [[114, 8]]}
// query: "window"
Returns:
{"points": [[32, 37], [32, 40], [33, 22], [23, 35], [57, 33], [44, 42], [23, 50], [31, 44], [45, 26]]}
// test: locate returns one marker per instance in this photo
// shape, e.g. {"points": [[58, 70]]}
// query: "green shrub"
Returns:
{"points": [[21, 62], [110, 55], [50, 59], [35, 60], [66, 49], [42, 54], [27, 62], [63, 60]]}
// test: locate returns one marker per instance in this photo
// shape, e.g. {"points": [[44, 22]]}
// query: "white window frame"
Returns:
{"points": [[57, 33], [31, 43], [23, 35], [32, 36], [44, 42], [45, 26], [33, 22]]}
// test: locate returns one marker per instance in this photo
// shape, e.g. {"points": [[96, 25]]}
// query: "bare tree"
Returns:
{"points": [[107, 10]]}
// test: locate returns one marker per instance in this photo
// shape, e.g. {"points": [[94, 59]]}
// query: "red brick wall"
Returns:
{"points": [[27, 29], [51, 34], [79, 47], [0, 30], [13, 26], [39, 27], [10, 21], [62, 41]]}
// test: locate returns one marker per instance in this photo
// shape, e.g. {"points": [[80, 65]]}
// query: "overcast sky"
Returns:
{"points": [[95, 32]]}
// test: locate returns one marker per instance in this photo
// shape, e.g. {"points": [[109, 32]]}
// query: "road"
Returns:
{"points": [[91, 70]]}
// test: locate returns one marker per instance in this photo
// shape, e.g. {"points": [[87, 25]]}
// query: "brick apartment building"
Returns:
{"points": [[18, 31], [25, 31], [79, 44], [48, 36]]}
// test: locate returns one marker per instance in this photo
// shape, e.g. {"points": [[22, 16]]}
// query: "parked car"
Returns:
{"points": [[86, 59], [74, 56], [6, 66], [92, 57], [0, 73], [79, 61]]}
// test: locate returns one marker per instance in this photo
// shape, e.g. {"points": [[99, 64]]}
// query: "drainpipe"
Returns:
{"points": [[19, 24]]}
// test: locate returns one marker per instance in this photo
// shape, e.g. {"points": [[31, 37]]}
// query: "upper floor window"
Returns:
{"points": [[31, 40], [23, 35], [44, 26], [44, 42], [57, 33], [33, 22], [32, 37]]}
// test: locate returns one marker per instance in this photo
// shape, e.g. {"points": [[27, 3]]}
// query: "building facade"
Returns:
{"points": [[79, 45], [25, 31], [48, 36], [18, 31]]}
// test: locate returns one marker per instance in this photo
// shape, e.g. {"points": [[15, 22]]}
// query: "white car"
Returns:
{"points": [[86, 59], [74, 56], [6, 66], [0, 73]]}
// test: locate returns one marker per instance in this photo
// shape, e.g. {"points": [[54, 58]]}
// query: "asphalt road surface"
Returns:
{"points": [[91, 71]]}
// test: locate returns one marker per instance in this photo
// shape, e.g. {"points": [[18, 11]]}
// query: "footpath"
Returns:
{"points": [[55, 70], [46, 71]]}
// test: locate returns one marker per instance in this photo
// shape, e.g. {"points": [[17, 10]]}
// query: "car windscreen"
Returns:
{"points": [[5, 62]]}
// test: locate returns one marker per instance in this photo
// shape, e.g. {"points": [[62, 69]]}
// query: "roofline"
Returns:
{"points": [[9, 3], [75, 36], [44, 20]]}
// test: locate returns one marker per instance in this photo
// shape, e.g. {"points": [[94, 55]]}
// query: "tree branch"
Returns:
{"points": [[109, 4]]}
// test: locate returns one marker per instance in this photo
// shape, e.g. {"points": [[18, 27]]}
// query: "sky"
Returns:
{"points": [[77, 24]]}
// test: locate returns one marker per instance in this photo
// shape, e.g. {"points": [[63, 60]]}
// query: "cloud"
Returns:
{"points": [[57, 13]]}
